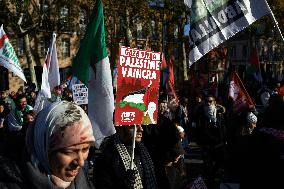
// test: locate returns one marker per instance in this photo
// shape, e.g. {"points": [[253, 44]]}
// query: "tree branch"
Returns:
{"points": [[26, 30]]}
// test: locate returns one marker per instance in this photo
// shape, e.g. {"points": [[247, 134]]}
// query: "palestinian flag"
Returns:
{"points": [[254, 67], [136, 99]]}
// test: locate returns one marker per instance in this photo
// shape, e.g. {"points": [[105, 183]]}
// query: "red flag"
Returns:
{"points": [[164, 63], [171, 70], [164, 72], [171, 90], [281, 90], [171, 81], [254, 58], [239, 95]]}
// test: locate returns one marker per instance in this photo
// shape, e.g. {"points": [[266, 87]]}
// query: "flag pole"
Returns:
{"points": [[275, 21], [133, 148]]}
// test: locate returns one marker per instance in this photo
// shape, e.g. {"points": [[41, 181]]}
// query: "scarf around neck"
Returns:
{"points": [[20, 114], [147, 165]]}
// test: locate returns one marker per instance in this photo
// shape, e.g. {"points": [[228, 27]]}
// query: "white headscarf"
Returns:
{"points": [[59, 125], [251, 118]]}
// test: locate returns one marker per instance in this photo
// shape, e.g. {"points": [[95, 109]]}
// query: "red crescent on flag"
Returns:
{"points": [[47, 62], [2, 40]]}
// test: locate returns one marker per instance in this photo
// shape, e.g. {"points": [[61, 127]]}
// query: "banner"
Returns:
{"points": [[80, 94], [137, 87], [8, 57], [213, 22]]}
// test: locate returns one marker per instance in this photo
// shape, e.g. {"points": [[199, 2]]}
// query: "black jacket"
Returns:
{"points": [[24, 175]]}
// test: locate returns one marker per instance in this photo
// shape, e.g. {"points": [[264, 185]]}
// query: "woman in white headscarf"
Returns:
{"points": [[57, 146]]}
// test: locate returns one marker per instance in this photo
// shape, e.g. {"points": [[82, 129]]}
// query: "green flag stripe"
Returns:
{"points": [[92, 47]]}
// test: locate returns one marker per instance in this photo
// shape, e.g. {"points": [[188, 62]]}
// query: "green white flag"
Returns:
{"points": [[91, 65], [8, 57], [215, 21]]}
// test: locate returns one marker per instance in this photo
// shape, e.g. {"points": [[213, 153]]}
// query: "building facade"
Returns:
{"points": [[68, 19]]}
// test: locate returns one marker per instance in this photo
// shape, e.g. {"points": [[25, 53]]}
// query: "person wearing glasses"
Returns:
{"points": [[210, 132], [112, 167]]}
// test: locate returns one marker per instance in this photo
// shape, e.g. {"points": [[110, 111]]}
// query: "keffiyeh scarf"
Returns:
{"points": [[147, 165]]}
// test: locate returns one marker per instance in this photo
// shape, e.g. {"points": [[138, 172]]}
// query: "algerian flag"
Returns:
{"points": [[215, 21], [50, 76], [91, 65], [8, 57]]}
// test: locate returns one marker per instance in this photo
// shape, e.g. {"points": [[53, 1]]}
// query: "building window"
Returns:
{"points": [[153, 29], [65, 47], [63, 17], [156, 3], [65, 73], [176, 31], [121, 26], [20, 46], [233, 52], [63, 12], [45, 12], [44, 44], [139, 28], [82, 20], [44, 7], [245, 51]]}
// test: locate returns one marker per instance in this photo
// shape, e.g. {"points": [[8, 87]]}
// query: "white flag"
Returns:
{"points": [[213, 22], [50, 76], [8, 57], [188, 3]]}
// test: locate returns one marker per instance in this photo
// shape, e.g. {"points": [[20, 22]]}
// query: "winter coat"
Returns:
{"points": [[259, 161]]}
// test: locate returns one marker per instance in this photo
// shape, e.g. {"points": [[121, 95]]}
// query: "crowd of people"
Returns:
{"points": [[55, 147]]}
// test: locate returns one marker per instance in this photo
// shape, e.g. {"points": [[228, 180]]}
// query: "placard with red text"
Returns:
{"points": [[137, 87]]}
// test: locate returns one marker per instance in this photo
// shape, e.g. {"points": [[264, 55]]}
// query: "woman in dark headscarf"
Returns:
{"points": [[57, 146]]}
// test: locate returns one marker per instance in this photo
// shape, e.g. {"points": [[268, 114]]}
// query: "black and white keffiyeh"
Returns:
{"points": [[147, 166]]}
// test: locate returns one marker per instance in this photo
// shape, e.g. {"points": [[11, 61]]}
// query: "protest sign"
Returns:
{"points": [[137, 87], [80, 94]]}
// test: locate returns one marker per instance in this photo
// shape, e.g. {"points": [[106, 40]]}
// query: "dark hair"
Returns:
{"points": [[32, 113], [19, 97]]}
